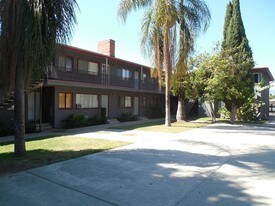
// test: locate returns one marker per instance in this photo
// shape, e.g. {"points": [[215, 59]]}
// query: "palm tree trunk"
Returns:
{"points": [[181, 114], [159, 63], [19, 111], [167, 75], [233, 114]]}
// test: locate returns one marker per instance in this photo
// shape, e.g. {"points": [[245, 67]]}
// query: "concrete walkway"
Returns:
{"points": [[216, 165]]}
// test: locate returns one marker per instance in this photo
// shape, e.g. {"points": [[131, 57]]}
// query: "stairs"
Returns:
{"points": [[112, 121], [6, 100], [143, 118], [44, 127], [189, 106]]}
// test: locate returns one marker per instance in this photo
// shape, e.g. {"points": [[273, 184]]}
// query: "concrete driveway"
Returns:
{"points": [[216, 165]]}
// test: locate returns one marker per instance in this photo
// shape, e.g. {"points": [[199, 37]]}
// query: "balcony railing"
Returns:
{"points": [[60, 73]]}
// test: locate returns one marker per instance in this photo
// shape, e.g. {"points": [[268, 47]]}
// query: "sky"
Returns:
{"points": [[98, 20]]}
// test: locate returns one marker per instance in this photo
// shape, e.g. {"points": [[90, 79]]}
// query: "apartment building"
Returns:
{"points": [[83, 82]]}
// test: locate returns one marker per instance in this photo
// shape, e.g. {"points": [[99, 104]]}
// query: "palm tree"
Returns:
{"points": [[167, 16], [190, 22], [152, 37], [29, 32]]}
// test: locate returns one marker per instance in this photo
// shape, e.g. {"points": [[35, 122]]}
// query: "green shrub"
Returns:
{"points": [[224, 113], [249, 111], [127, 116], [30, 127], [96, 120], [80, 120], [155, 112], [6, 128]]}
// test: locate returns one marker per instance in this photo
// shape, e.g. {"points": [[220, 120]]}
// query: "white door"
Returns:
{"points": [[105, 104], [136, 106]]}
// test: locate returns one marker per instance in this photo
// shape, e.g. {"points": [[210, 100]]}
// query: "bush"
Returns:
{"points": [[249, 111], [80, 120], [6, 128], [225, 114], [96, 120], [30, 127], [127, 116], [155, 112]]}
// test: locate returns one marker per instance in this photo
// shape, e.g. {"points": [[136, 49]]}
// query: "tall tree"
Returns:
{"points": [[166, 15], [151, 42], [235, 47], [190, 27], [29, 32], [234, 31]]}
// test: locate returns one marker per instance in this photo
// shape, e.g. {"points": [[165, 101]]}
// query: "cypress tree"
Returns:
{"points": [[234, 32], [232, 82], [227, 20]]}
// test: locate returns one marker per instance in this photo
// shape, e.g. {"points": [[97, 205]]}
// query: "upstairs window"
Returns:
{"points": [[126, 74], [257, 77], [65, 63], [87, 67]]}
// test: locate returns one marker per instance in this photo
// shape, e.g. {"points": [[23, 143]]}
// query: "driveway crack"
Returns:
{"points": [[70, 188]]}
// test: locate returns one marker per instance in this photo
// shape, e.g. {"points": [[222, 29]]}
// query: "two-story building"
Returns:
{"points": [[263, 76], [82, 82]]}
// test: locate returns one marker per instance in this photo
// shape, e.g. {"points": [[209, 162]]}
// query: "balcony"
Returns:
{"points": [[60, 73]]}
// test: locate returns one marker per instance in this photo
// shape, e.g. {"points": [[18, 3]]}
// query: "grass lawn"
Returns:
{"points": [[160, 127], [47, 150], [179, 126], [223, 120]]}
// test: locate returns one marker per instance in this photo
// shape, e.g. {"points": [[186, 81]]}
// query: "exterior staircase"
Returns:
{"points": [[44, 127], [189, 106], [6, 100], [112, 121]]}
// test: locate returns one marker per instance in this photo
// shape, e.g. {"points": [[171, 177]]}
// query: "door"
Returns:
{"points": [[105, 74], [136, 75], [48, 105], [105, 103], [136, 106]]}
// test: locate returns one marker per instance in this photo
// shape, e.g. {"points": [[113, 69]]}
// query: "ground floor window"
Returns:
{"points": [[125, 101], [65, 100], [86, 101]]}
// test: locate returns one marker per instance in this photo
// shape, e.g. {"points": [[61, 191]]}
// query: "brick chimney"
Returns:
{"points": [[107, 47]]}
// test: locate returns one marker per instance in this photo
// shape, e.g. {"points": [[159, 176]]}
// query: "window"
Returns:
{"points": [[88, 67], [125, 74], [65, 63], [128, 101], [257, 77], [65, 100], [125, 101], [86, 101]]}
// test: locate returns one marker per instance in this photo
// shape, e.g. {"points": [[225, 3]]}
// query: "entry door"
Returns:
{"points": [[105, 74], [105, 104], [136, 75], [136, 106]]}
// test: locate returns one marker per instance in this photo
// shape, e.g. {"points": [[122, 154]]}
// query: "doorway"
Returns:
{"points": [[105, 103]]}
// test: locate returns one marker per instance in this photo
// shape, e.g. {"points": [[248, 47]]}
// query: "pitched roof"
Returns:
{"points": [[263, 70], [92, 53]]}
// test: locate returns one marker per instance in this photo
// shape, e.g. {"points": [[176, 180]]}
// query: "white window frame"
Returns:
{"points": [[128, 101]]}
